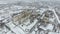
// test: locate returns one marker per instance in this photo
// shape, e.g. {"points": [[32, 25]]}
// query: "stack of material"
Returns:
{"points": [[23, 16]]}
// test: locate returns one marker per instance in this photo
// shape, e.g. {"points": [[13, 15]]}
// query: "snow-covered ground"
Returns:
{"points": [[39, 23]]}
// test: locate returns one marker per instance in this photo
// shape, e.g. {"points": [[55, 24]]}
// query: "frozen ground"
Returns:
{"points": [[38, 25]]}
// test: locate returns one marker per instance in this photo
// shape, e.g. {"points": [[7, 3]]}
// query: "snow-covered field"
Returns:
{"points": [[44, 17]]}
